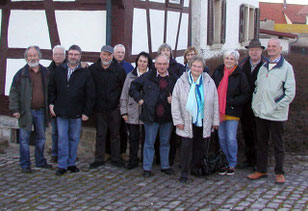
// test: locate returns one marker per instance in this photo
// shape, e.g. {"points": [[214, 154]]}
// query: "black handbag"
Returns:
{"points": [[213, 161]]}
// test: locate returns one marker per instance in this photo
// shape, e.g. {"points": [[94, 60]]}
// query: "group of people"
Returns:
{"points": [[163, 102]]}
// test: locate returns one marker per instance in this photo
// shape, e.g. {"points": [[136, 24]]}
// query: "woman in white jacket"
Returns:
{"points": [[195, 112]]}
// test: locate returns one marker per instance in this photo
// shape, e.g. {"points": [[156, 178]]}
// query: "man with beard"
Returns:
{"points": [[72, 96], [109, 77], [28, 103]]}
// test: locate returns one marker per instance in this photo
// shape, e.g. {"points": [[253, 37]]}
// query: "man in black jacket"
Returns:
{"points": [[109, 77], [153, 91], [71, 100], [250, 66], [58, 58]]}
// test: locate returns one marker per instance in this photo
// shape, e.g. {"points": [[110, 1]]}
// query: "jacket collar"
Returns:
{"points": [[278, 64]]}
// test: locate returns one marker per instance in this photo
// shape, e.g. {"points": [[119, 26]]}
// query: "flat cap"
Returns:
{"points": [[107, 48]]}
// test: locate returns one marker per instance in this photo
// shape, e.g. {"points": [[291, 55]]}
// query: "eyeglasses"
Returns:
{"points": [[58, 54], [74, 54]]}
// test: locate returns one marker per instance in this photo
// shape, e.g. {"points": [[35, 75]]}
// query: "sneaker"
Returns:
{"points": [[183, 180], [96, 164], [280, 179], [27, 170], [146, 174], [107, 157], [168, 171], [230, 171], [223, 171], [73, 169], [256, 175], [60, 171]]}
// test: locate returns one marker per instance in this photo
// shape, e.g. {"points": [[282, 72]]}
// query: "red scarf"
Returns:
{"points": [[222, 92]]}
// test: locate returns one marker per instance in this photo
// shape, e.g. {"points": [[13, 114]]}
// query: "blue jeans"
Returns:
{"points": [[227, 132], [151, 130], [38, 120], [68, 139], [54, 137]]}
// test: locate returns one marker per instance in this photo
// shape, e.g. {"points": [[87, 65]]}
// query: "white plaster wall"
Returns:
{"points": [[186, 3], [26, 0], [183, 36], [84, 28], [157, 18], [199, 25], [28, 27], [172, 28], [12, 66], [232, 25], [140, 35]]}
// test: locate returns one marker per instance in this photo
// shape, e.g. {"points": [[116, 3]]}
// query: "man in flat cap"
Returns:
{"points": [[250, 66], [109, 77]]}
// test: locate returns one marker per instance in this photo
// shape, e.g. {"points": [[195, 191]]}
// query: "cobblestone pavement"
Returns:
{"points": [[110, 188]]}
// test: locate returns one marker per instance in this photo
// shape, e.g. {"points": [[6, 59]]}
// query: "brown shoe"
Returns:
{"points": [[280, 179], [256, 175]]}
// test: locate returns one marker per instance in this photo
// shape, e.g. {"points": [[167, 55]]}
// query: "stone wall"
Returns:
{"points": [[8, 134]]}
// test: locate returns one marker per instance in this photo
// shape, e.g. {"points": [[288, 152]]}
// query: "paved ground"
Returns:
{"points": [[109, 188]]}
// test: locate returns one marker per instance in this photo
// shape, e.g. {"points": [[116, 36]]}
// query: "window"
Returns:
{"points": [[216, 22], [248, 23]]}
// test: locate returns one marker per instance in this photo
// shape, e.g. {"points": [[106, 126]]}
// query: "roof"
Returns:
{"points": [[276, 12], [304, 11], [279, 34]]}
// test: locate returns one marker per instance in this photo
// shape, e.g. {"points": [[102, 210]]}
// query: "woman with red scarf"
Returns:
{"points": [[233, 93]]}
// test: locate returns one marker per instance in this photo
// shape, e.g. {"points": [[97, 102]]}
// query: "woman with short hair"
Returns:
{"points": [[233, 93], [194, 109]]}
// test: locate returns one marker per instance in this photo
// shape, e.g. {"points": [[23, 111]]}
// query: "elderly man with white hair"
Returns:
{"points": [[275, 90]]}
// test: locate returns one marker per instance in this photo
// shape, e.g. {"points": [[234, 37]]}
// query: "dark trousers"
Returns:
{"points": [[123, 136], [108, 121], [265, 129], [136, 132], [192, 152], [248, 124]]}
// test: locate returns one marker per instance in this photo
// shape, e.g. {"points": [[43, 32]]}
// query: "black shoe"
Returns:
{"points": [[231, 171], [146, 174], [60, 171], [118, 163], [96, 164], [131, 166], [73, 169], [46, 166], [168, 171], [183, 180], [26, 170], [54, 159], [196, 172]]}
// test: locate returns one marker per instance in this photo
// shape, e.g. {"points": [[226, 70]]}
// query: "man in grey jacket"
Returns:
{"points": [[275, 90]]}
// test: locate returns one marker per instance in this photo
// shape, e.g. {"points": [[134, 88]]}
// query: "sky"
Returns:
{"points": [[302, 2]]}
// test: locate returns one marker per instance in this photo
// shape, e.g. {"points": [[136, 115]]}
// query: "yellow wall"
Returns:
{"points": [[291, 28]]}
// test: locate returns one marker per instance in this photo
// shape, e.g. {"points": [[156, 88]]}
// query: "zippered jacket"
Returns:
{"points": [[275, 90]]}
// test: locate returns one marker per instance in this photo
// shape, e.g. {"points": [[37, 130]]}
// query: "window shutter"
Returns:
{"points": [[241, 24], [210, 22], [223, 22], [257, 23]]}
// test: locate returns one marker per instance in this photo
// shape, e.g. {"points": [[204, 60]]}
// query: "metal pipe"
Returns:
{"points": [[108, 22]]}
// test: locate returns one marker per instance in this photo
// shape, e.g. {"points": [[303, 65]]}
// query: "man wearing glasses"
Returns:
{"points": [[71, 100]]}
